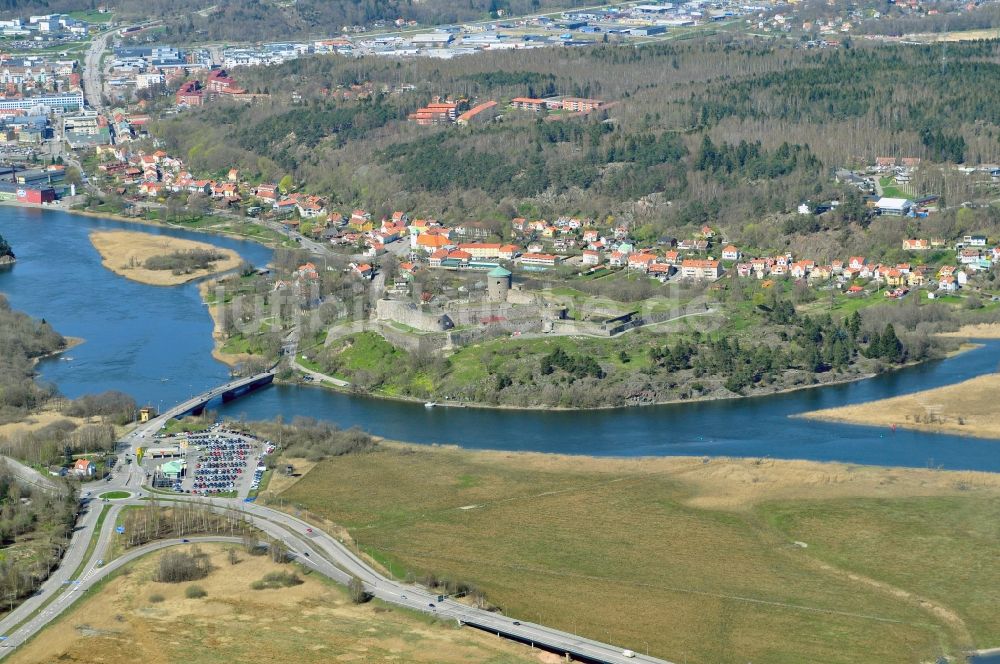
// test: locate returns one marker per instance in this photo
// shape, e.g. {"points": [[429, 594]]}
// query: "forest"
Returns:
{"points": [[723, 130], [22, 341], [35, 527]]}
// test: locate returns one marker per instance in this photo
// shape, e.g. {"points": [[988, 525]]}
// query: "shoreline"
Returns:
{"points": [[983, 331], [113, 216], [125, 253], [71, 342], [669, 402], [229, 360], [963, 409], [473, 404]]}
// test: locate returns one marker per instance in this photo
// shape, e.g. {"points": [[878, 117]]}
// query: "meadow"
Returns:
{"points": [[693, 559]]}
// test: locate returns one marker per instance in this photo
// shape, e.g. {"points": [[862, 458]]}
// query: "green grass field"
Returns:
{"points": [[186, 424], [92, 16], [637, 554]]}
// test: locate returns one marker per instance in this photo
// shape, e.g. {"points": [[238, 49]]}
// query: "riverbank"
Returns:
{"points": [[977, 331], [712, 398], [126, 254], [218, 333], [71, 342], [967, 408], [765, 550]]}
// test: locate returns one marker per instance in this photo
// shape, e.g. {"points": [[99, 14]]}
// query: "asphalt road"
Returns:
{"points": [[92, 74], [309, 545]]}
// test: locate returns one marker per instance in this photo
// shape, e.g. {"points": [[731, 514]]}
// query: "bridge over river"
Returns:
{"points": [[228, 391]]}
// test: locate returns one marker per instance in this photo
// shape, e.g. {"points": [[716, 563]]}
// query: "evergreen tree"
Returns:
{"points": [[874, 346], [854, 324], [891, 348]]}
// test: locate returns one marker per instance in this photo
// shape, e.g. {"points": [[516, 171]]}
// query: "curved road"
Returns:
{"points": [[309, 545]]}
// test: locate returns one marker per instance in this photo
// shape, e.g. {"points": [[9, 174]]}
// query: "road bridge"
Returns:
{"points": [[228, 391], [311, 546]]}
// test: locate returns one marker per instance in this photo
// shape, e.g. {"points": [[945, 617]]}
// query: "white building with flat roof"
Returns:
{"points": [[432, 38], [899, 207]]}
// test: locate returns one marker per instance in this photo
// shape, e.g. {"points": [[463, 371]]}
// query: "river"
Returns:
{"points": [[155, 343]]}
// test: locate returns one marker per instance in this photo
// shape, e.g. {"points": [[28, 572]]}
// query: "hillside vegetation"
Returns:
{"points": [[22, 341], [718, 131]]}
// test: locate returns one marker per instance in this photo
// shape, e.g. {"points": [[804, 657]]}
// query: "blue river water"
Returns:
{"points": [[155, 343]]}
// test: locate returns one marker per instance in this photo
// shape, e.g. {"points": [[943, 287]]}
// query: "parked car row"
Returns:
{"points": [[223, 458]]}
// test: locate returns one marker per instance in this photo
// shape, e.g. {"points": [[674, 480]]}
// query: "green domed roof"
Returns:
{"points": [[498, 272]]}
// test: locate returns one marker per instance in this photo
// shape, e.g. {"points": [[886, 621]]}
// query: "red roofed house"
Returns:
{"points": [[730, 253], [437, 257], [364, 270], [481, 249], [700, 269], [578, 105], [267, 193], [507, 251], [432, 241], [477, 112], [220, 82], [641, 261], [528, 104], [189, 94], [435, 113], [83, 467]]}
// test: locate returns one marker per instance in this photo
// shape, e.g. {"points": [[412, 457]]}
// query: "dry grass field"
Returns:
{"points": [[699, 561], [966, 408], [957, 36], [977, 331], [125, 252], [312, 623]]}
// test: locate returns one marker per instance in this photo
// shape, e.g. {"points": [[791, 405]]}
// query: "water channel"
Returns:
{"points": [[155, 343]]}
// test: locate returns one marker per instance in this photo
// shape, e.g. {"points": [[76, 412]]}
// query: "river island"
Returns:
{"points": [[160, 260]]}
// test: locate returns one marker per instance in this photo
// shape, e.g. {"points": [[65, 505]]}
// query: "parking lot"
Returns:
{"points": [[216, 461]]}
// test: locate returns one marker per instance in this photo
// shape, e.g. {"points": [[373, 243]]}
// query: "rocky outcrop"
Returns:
{"points": [[7, 260]]}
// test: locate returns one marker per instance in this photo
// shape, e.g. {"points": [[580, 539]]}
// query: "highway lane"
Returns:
{"points": [[317, 551], [310, 545], [62, 575], [93, 87]]}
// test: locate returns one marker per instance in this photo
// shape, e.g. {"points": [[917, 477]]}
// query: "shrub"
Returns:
{"points": [[180, 566], [156, 598], [194, 592], [184, 261], [356, 588], [277, 580]]}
